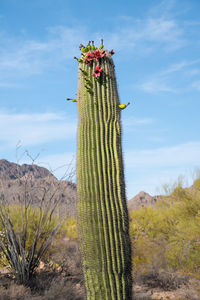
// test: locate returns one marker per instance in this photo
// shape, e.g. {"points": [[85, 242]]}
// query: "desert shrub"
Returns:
{"points": [[63, 289], [166, 236], [27, 233], [15, 292], [165, 280]]}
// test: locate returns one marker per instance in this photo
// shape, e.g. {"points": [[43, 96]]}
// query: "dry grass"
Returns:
{"points": [[64, 280], [47, 285], [162, 285], [15, 292]]}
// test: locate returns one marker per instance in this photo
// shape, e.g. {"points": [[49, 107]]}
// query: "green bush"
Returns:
{"points": [[26, 234], [167, 235]]}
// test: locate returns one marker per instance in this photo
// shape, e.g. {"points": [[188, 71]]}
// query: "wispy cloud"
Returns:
{"points": [[147, 35], [34, 129], [163, 81], [25, 57], [156, 85], [180, 66], [180, 155], [164, 8], [158, 29]]}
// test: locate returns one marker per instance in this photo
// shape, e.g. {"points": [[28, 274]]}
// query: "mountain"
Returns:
{"points": [[12, 171], [142, 199], [36, 184]]}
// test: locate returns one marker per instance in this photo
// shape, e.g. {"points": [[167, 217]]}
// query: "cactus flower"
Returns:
{"points": [[89, 56], [97, 71], [97, 54]]}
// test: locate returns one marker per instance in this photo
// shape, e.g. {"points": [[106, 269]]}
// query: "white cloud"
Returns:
{"points": [[163, 8], [19, 57], [35, 129], [180, 155], [162, 81], [25, 57], [159, 29], [156, 85], [146, 35], [179, 66]]}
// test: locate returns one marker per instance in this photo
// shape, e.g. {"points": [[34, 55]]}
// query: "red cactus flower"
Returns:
{"points": [[97, 71], [89, 56], [97, 54]]}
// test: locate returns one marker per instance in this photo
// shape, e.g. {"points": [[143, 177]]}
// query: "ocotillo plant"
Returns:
{"points": [[102, 209]]}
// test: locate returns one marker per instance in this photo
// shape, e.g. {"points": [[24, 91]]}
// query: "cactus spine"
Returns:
{"points": [[102, 210]]}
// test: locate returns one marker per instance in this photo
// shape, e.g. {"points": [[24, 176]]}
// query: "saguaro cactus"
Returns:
{"points": [[102, 210]]}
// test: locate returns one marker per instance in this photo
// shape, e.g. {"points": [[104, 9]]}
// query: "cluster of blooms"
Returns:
{"points": [[95, 55], [90, 54]]}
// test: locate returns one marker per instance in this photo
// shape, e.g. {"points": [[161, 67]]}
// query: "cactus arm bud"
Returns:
{"points": [[122, 106], [71, 99]]}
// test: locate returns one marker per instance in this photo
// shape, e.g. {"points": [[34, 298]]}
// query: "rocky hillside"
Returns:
{"points": [[12, 171], [36, 184], [142, 199]]}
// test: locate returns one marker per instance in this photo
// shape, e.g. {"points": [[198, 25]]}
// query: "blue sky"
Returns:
{"points": [[157, 58]]}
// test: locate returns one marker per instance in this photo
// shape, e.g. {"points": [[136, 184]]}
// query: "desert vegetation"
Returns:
{"points": [[166, 243], [165, 252]]}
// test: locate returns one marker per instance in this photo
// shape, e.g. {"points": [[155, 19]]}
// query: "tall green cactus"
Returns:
{"points": [[102, 209]]}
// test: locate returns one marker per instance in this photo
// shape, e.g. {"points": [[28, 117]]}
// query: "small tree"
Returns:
{"points": [[27, 229], [24, 244]]}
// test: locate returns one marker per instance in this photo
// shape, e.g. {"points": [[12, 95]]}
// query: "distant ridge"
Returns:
{"points": [[38, 181], [142, 199], [39, 178], [12, 171]]}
